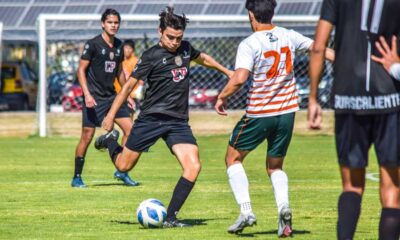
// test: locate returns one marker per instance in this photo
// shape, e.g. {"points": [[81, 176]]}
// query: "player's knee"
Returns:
{"points": [[87, 136], [193, 170]]}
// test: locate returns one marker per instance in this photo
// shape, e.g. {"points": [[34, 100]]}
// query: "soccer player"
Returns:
{"points": [[366, 101], [100, 63], [165, 69], [128, 64], [267, 55]]}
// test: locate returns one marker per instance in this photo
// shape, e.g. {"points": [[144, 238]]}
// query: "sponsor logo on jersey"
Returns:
{"points": [[87, 46], [272, 37], [178, 60], [118, 52], [103, 51], [178, 74], [164, 61], [110, 66], [111, 55]]}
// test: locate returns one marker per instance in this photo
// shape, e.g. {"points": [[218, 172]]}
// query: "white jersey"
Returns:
{"points": [[269, 56]]}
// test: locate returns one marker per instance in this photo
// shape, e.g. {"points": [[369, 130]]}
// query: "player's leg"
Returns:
{"points": [[387, 147], [279, 137], [87, 134], [353, 140], [389, 225], [125, 124], [89, 120], [183, 145], [246, 136]]}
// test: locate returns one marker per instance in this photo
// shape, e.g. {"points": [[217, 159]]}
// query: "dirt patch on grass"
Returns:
{"points": [[24, 124]]}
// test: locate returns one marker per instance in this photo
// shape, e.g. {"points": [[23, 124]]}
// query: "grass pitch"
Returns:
{"points": [[37, 202]]}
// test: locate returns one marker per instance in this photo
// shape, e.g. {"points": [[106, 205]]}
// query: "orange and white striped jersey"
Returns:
{"points": [[269, 55]]}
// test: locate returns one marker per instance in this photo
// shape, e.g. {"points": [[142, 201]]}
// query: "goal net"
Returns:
{"points": [[62, 37]]}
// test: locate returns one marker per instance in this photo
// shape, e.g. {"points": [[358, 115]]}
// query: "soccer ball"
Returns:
{"points": [[151, 213]]}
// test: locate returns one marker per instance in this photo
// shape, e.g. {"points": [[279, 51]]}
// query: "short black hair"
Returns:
{"points": [[129, 43], [169, 19], [110, 11], [263, 10]]}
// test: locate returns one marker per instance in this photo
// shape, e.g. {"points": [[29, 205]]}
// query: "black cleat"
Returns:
{"points": [[175, 224], [100, 142]]}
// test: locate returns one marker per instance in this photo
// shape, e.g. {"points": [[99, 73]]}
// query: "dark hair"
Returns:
{"points": [[169, 19], [263, 10], [110, 11], [129, 43]]}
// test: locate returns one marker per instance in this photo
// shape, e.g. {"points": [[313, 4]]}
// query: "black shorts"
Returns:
{"points": [[148, 129], [356, 133], [92, 117]]}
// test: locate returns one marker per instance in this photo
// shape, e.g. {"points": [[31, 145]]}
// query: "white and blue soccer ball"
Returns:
{"points": [[151, 213]]}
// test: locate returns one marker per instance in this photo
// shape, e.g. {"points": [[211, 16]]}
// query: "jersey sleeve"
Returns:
{"points": [[244, 56], [328, 11], [300, 41], [143, 67], [88, 51], [194, 53]]}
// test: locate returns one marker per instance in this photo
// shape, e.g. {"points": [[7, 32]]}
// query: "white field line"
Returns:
{"points": [[372, 176]]}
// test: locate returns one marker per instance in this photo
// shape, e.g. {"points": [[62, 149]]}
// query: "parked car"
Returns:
{"points": [[18, 85], [72, 99], [203, 98]]}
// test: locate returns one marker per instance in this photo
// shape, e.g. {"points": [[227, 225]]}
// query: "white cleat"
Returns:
{"points": [[244, 220]]}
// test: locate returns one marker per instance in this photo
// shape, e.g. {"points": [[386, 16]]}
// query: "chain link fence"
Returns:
{"points": [[64, 93]]}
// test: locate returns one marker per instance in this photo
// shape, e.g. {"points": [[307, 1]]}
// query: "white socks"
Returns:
{"points": [[240, 187], [279, 181]]}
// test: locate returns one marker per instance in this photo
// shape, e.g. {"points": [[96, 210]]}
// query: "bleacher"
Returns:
{"points": [[19, 16]]}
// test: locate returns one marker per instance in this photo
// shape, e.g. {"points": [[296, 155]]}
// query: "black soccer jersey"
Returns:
{"points": [[166, 76], [103, 67], [362, 85]]}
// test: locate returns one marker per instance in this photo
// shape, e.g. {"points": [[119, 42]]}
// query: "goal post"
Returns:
{"points": [[216, 23]]}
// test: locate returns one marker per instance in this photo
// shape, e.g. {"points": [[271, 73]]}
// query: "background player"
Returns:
{"points": [[128, 64], [271, 102], [367, 106], [165, 69], [99, 65]]}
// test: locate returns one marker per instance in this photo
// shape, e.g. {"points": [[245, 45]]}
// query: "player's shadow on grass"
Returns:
{"points": [[109, 185], [197, 222], [272, 232], [124, 222]]}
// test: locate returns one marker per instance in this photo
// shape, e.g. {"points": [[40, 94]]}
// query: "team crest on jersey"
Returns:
{"points": [[272, 37], [103, 51], [111, 55], [185, 54], [110, 66], [178, 74], [178, 60]]}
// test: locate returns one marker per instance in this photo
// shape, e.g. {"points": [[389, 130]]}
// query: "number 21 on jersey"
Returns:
{"points": [[274, 70]]}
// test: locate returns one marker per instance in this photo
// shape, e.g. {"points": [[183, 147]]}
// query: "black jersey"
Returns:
{"points": [[166, 76], [103, 67], [361, 85]]}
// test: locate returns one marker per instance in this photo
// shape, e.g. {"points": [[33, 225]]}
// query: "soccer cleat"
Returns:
{"points": [[285, 222], [124, 177], [244, 220], [100, 142], [78, 183], [175, 223]]}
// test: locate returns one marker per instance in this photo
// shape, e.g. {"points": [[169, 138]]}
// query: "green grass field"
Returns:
{"points": [[37, 202]]}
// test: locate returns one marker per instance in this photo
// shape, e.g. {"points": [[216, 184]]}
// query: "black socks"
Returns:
{"points": [[389, 225], [113, 149], [181, 193], [349, 208], [79, 162]]}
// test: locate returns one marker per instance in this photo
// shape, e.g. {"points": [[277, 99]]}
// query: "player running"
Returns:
{"points": [[100, 63], [267, 55], [165, 70]]}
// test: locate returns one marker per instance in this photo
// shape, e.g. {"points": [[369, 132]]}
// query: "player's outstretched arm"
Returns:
{"points": [[316, 65], [208, 61], [89, 100], [121, 97], [239, 77], [390, 58]]}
